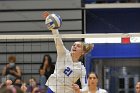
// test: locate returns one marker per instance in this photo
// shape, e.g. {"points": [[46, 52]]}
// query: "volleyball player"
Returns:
{"points": [[137, 87], [92, 85], [68, 68]]}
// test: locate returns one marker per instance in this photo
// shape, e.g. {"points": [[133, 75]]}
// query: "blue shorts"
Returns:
{"points": [[49, 90]]}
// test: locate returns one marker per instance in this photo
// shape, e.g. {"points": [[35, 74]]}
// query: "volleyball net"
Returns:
{"points": [[89, 38], [30, 49], [112, 35]]}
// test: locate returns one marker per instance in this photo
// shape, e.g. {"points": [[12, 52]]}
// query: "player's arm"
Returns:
{"points": [[17, 73], [58, 42], [76, 88], [4, 71]]}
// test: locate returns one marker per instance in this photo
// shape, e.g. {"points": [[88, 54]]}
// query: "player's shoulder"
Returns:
{"points": [[84, 90], [67, 52], [102, 90]]}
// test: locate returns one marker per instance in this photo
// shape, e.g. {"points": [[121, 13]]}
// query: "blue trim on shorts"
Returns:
{"points": [[49, 90]]}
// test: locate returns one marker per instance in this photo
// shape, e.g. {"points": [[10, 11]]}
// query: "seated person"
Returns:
{"points": [[7, 84], [33, 87], [11, 70], [24, 88], [47, 66], [42, 78], [18, 83], [92, 85], [8, 87]]}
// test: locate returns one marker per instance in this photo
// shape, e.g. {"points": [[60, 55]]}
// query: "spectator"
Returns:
{"points": [[33, 87], [11, 70], [7, 84], [92, 85], [24, 88], [5, 90], [42, 78], [138, 87], [10, 90], [47, 66], [18, 83], [8, 87]]}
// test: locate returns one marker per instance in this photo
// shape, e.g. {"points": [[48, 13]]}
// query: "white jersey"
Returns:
{"points": [[86, 90], [66, 71]]}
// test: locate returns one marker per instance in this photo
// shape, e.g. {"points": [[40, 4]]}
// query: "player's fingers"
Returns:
{"points": [[75, 86]]}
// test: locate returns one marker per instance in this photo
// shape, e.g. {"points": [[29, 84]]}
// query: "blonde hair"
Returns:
{"points": [[87, 47]]}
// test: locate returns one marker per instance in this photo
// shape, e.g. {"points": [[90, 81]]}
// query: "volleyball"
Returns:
{"points": [[53, 21]]}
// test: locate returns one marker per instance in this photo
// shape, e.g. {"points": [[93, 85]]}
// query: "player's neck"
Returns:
{"points": [[93, 89], [74, 58]]}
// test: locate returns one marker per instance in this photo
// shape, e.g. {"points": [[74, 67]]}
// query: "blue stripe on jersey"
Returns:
{"points": [[85, 79], [49, 90]]}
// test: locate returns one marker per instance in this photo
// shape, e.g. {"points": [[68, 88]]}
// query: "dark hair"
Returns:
{"points": [[49, 61], [92, 73]]}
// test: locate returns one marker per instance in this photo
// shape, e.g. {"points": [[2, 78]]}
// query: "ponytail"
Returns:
{"points": [[88, 47]]}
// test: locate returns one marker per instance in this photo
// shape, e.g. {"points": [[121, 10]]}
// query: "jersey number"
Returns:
{"points": [[67, 71]]}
